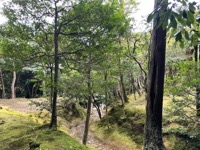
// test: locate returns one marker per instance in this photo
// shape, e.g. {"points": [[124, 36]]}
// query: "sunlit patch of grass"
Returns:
{"points": [[138, 103], [125, 122], [114, 138], [18, 130]]}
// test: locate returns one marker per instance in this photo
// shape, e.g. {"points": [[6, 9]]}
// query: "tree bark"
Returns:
{"points": [[2, 84], [122, 88], [51, 88], [106, 92], [13, 85], [197, 57], [85, 135], [155, 85], [53, 123], [98, 109], [121, 81]]}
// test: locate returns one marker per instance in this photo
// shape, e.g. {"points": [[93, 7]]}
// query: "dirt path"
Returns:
{"points": [[20, 104], [77, 132]]}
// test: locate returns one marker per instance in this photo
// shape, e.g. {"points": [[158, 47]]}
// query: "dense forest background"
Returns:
{"points": [[83, 56]]}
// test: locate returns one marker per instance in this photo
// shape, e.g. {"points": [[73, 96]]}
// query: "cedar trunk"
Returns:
{"points": [[155, 85]]}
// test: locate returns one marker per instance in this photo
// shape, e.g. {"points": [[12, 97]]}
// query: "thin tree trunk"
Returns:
{"points": [[53, 123], [98, 110], [153, 126], [2, 84], [106, 92], [197, 57], [122, 89], [13, 85], [44, 92], [120, 96], [85, 135], [51, 90]]}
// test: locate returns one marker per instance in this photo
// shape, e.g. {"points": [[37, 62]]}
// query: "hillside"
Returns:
{"points": [[18, 131]]}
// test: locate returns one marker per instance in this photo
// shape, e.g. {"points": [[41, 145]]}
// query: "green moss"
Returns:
{"points": [[111, 136], [18, 131], [71, 111], [123, 120], [174, 142]]}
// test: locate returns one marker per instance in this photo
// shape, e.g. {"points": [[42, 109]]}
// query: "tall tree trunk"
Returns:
{"points": [[2, 84], [197, 57], [13, 85], [121, 82], [106, 92], [97, 106], [53, 123], [122, 88], [155, 85], [44, 91], [51, 88], [85, 135]]}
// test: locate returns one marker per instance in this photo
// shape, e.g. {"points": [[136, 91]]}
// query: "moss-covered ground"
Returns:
{"points": [[121, 129], [127, 124], [18, 131]]}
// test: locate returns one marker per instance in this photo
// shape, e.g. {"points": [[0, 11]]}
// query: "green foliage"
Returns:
{"points": [[180, 18], [71, 110], [182, 138]]}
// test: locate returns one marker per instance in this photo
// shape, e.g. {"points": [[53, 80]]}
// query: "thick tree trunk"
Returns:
{"points": [[53, 123], [155, 85], [2, 84], [85, 135], [13, 85], [197, 57]]}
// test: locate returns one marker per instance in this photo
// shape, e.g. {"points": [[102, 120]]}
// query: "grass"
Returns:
{"points": [[128, 122], [122, 128], [18, 130], [124, 125], [114, 138]]}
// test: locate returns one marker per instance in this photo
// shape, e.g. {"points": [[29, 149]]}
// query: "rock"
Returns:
{"points": [[2, 122], [33, 145], [1, 107]]}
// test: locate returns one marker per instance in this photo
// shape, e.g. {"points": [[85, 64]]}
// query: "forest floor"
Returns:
{"points": [[121, 129], [74, 129]]}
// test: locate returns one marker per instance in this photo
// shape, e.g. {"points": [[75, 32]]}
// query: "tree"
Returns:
{"points": [[155, 83], [161, 14], [13, 95], [64, 18], [197, 57], [2, 78]]}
